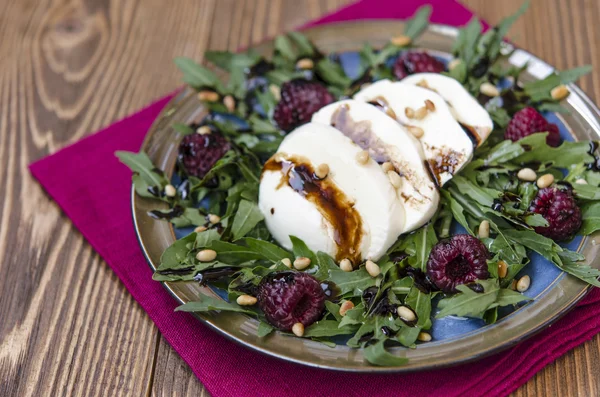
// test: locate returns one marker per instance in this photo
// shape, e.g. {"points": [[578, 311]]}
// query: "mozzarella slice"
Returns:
{"points": [[446, 145], [464, 106], [386, 140], [290, 212]]}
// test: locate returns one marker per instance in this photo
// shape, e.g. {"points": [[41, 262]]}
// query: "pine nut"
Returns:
{"points": [[454, 63], [362, 157], [322, 171], [208, 96], [203, 130], [170, 191], [387, 167], [423, 84], [416, 131], [276, 91], [489, 89], [200, 229], [401, 41], [214, 219], [581, 181], [229, 103], [395, 179], [424, 337], [406, 314], [206, 255], [346, 265], [298, 329], [545, 180], [301, 263], [429, 105], [410, 113], [484, 229], [502, 269], [347, 305], [559, 93], [305, 63], [421, 113], [287, 262], [527, 174], [246, 300], [372, 268], [523, 284]]}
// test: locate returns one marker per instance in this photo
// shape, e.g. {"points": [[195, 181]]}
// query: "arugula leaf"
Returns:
{"points": [[141, 163], [567, 154], [304, 46], [540, 89], [264, 329], [354, 282], [418, 23], [425, 239], [196, 75], [584, 273], [586, 192], [299, 248], [208, 303], [205, 238], [246, 218], [469, 303], [268, 250], [591, 218], [183, 129], [420, 302], [328, 328], [233, 253], [176, 256], [457, 211], [229, 61], [332, 73], [283, 46], [377, 354]]}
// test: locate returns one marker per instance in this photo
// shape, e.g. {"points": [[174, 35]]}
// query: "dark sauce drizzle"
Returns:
{"points": [[330, 201], [173, 213]]}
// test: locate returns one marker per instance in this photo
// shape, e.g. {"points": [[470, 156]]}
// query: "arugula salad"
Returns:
{"points": [[356, 208]]}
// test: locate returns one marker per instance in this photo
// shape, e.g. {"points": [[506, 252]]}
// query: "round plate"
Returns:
{"points": [[161, 143]]}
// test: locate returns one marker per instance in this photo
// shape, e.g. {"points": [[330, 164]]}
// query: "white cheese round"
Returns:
{"points": [[464, 106], [287, 212], [446, 145], [386, 140]]}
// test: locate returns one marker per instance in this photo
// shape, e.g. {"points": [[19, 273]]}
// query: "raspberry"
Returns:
{"points": [[288, 298], [300, 99], [528, 121], [198, 153], [416, 62], [461, 259], [560, 210]]}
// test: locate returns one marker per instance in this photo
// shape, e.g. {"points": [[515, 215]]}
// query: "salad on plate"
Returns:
{"points": [[360, 207]]}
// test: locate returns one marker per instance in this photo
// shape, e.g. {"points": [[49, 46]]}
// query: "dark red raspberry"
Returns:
{"points": [[300, 99], [529, 121], [288, 298], [559, 208], [416, 62], [461, 259], [198, 153]]}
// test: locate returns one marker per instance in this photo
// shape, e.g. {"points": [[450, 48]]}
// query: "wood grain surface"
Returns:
{"points": [[67, 67]]}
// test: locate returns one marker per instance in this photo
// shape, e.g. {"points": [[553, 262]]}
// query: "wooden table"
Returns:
{"points": [[67, 68]]}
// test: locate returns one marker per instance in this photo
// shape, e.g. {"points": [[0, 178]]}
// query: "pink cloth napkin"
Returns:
{"points": [[93, 189]]}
